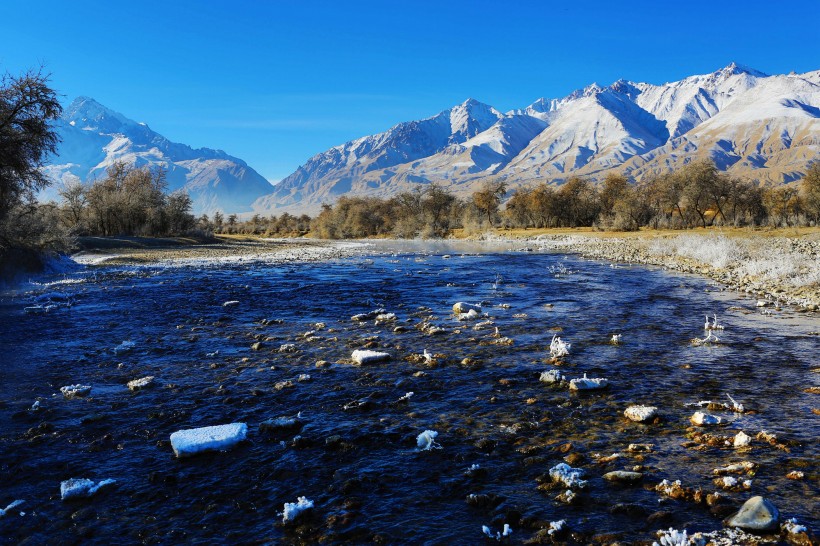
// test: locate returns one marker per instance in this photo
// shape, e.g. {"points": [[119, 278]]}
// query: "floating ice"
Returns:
{"points": [[10, 507], [140, 383], [368, 357], [385, 317], [615, 339], [230, 303], [571, 477], [551, 376], [81, 488], [361, 317], [427, 440], [705, 419], [558, 348], [124, 347], [406, 396], [73, 391], [556, 526], [586, 384], [294, 509], [640, 413], [505, 532], [790, 526], [197, 440]]}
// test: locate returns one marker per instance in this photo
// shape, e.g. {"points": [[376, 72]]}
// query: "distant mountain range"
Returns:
{"points": [[93, 137], [751, 124]]}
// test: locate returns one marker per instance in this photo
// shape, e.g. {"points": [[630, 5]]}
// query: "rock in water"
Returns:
{"points": [[756, 514], [640, 414], [197, 440], [623, 476], [461, 307], [705, 419], [75, 391]]}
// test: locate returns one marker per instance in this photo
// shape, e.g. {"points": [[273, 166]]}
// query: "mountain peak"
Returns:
{"points": [[734, 68], [89, 113]]}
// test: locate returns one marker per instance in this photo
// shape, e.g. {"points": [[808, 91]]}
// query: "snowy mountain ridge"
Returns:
{"points": [[93, 137], [751, 124]]}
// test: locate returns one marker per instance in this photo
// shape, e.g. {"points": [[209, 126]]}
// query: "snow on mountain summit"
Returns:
{"points": [[747, 121]]}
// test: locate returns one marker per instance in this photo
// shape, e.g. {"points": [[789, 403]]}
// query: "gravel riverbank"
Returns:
{"points": [[778, 270]]}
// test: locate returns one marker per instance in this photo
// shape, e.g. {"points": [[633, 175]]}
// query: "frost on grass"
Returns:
{"points": [[558, 348], [294, 509], [81, 488], [74, 391], [362, 357], [215, 438], [570, 477], [10, 507], [427, 440]]}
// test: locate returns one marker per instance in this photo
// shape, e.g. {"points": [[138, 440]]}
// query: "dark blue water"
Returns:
{"points": [[361, 466]]}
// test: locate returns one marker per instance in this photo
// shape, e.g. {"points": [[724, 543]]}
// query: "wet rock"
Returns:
{"points": [[756, 514], [629, 509], [287, 348], [795, 475], [280, 424], [623, 476], [462, 307], [640, 448], [574, 458], [484, 500], [640, 414], [742, 467], [258, 346], [661, 516]]}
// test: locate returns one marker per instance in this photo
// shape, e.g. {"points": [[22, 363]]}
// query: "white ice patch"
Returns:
{"points": [[427, 440], [140, 383], [640, 413], [571, 477], [231, 303], [10, 507], [81, 488], [672, 537], [197, 440], [73, 391], [293, 509], [558, 348], [362, 357], [705, 419], [551, 376], [586, 383], [741, 439], [124, 347]]}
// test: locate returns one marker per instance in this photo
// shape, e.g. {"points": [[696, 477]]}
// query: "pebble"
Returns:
{"points": [[756, 514]]}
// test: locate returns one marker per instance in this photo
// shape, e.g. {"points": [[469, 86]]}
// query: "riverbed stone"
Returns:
{"points": [[641, 414], [623, 476], [756, 514]]}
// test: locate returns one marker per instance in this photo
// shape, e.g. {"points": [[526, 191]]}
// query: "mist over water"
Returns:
{"points": [[354, 452]]}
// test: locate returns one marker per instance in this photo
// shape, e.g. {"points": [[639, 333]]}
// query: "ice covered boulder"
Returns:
{"points": [[294, 509], [74, 391], [362, 357], [81, 488], [639, 414], [705, 419], [756, 514], [215, 438], [461, 307], [570, 477], [551, 376], [587, 384], [141, 383], [741, 439]]}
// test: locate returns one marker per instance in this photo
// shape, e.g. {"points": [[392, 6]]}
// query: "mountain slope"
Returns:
{"points": [[94, 137], [755, 125]]}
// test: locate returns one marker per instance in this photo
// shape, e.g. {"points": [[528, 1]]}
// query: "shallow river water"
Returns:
{"points": [[353, 451]]}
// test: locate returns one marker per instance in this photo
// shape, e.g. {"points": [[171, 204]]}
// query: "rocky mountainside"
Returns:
{"points": [[751, 124], [93, 137]]}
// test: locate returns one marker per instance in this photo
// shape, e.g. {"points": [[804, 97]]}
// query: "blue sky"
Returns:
{"points": [[276, 82]]}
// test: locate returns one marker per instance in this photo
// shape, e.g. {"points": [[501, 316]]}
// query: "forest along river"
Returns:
{"points": [[353, 448]]}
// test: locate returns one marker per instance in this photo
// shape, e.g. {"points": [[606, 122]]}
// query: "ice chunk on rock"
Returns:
{"points": [[587, 384], [705, 419], [551, 376], [571, 477], [140, 383], [81, 488], [558, 348], [197, 440], [741, 439], [368, 357], [74, 391], [294, 509], [427, 440], [461, 307], [640, 413]]}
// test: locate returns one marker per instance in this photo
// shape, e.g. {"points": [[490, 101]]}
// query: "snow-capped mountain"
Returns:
{"points": [[94, 137], [751, 124]]}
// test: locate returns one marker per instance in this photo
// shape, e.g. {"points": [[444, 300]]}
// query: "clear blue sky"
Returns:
{"points": [[276, 82]]}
